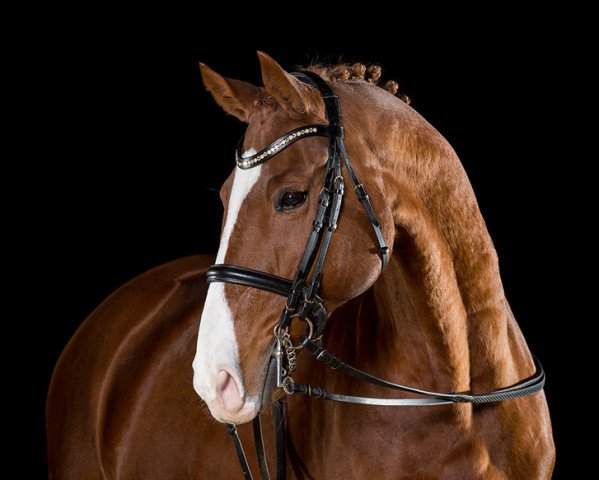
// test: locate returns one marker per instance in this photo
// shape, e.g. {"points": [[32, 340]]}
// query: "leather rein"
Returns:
{"points": [[304, 303]]}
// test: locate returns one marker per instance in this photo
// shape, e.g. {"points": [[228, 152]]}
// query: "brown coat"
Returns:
{"points": [[121, 403]]}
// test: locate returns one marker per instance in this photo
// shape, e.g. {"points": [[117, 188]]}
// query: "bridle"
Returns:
{"points": [[304, 303]]}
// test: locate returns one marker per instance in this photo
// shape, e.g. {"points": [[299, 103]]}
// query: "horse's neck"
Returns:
{"points": [[450, 268], [440, 306], [419, 325], [390, 331]]}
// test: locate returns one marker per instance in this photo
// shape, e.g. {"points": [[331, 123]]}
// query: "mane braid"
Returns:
{"points": [[358, 73]]}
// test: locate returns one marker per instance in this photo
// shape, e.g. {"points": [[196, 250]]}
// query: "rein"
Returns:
{"points": [[304, 303]]}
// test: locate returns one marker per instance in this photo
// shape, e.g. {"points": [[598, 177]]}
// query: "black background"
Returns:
{"points": [[137, 150]]}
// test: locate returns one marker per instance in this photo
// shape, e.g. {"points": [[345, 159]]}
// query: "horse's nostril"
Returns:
{"points": [[228, 391]]}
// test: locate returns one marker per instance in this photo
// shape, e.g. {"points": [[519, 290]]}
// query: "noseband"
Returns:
{"points": [[303, 301]]}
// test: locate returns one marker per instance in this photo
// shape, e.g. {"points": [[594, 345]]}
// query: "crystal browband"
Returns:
{"points": [[279, 145]]}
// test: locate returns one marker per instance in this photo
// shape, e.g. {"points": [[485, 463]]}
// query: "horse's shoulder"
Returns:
{"points": [[110, 355]]}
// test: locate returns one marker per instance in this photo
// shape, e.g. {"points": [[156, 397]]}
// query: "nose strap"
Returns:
{"points": [[225, 273], [249, 278]]}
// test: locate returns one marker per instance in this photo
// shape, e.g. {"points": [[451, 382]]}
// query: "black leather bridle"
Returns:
{"points": [[303, 301]]}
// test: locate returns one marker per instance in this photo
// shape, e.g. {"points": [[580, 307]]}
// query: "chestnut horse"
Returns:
{"points": [[122, 403]]}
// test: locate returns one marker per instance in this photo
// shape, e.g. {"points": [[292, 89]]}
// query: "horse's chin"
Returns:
{"points": [[246, 414]]}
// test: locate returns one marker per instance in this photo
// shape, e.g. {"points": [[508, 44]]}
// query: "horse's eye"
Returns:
{"points": [[290, 199]]}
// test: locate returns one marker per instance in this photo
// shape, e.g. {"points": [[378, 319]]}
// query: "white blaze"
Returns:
{"points": [[217, 347]]}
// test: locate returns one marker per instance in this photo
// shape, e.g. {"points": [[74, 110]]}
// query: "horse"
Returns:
{"points": [[123, 402]]}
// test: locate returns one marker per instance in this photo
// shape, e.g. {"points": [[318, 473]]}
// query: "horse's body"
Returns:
{"points": [[122, 404]]}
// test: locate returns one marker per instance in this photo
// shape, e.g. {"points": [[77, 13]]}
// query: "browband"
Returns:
{"points": [[280, 144]]}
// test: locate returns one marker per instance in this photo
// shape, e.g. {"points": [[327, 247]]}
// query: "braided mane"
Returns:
{"points": [[358, 72]]}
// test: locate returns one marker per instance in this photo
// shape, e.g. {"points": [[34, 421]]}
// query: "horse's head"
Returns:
{"points": [[269, 211]]}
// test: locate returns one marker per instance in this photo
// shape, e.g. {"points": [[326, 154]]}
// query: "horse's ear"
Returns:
{"points": [[296, 98], [234, 96]]}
